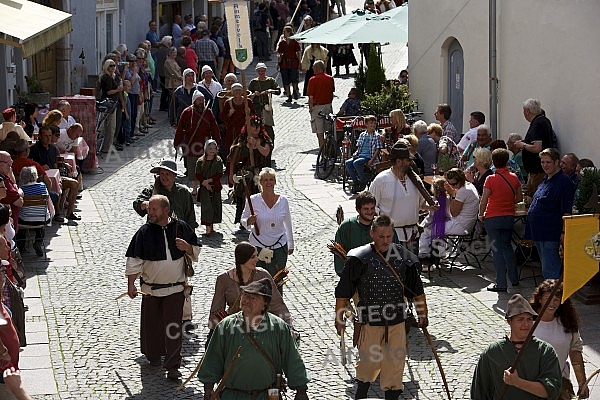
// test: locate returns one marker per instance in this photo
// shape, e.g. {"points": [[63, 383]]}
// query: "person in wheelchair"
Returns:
{"points": [[368, 147]]}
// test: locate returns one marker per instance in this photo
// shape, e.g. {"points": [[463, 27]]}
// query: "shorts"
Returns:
{"points": [[317, 123], [289, 76]]}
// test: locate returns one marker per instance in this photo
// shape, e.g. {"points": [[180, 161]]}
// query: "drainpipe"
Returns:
{"points": [[493, 124]]}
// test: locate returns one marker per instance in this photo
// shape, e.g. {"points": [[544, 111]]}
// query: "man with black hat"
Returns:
{"points": [[156, 255], [252, 340], [537, 376], [397, 194], [182, 202], [386, 277]]}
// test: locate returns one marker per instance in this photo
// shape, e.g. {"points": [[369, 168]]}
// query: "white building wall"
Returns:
{"points": [[546, 49]]}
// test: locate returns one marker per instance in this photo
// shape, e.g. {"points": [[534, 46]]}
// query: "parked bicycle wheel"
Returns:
{"points": [[326, 159]]}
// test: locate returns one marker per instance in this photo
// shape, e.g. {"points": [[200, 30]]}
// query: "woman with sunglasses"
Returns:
{"points": [[462, 206]]}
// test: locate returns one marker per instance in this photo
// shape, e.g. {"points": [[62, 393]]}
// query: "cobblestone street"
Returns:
{"points": [[93, 340]]}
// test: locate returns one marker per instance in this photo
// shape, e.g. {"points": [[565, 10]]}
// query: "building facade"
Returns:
{"points": [[545, 49]]}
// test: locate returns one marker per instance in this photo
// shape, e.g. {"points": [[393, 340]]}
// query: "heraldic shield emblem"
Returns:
{"points": [[241, 55]]}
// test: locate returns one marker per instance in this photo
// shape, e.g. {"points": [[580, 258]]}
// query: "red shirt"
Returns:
{"points": [[321, 88], [21, 162], [501, 201], [288, 51]]}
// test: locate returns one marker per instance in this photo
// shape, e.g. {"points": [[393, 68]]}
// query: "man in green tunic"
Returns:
{"points": [[180, 198], [249, 349], [537, 375], [355, 232]]}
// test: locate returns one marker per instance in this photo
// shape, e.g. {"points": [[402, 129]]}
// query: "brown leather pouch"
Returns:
{"points": [[356, 336]]}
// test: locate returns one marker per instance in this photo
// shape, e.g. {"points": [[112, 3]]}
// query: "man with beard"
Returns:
{"points": [[196, 125], [397, 195], [156, 255], [252, 340], [182, 207], [386, 276]]}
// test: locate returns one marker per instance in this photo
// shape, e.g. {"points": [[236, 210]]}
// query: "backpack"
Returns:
{"points": [[257, 21]]}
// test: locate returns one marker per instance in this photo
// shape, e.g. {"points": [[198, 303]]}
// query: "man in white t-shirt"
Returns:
{"points": [[477, 118], [65, 109]]}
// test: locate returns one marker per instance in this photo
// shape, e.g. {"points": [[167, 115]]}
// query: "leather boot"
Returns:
{"points": [[392, 394], [362, 390]]}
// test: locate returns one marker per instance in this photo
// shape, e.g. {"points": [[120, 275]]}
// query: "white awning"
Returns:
{"points": [[31, 26]]}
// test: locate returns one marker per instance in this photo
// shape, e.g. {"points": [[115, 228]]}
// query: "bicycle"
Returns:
{"points": [[103, 109], [329, 154]]}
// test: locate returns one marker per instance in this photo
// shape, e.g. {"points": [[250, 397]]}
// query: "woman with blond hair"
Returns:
{"points": [[271, 225], [54, 117], [559, 326]]}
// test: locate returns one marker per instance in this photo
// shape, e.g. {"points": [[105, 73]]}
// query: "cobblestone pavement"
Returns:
{"points": [[94, 340]]}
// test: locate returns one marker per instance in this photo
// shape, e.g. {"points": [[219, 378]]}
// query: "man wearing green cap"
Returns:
{"points": [[537, 375], [252, 340]]}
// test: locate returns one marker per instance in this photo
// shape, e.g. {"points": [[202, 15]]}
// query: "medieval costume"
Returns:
{"points": [[153, 256]]}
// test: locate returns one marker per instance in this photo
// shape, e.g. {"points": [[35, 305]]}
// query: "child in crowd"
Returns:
{"points": [[209, 170], [351, 105], [368, 147], [434, 225]]}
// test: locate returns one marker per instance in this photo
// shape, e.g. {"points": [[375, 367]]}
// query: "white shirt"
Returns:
{"points": [[465, 220], [554, 333], [214, 87], [65, 123], [162, 271], [467, 138], [8, 126], [274, 224], [401, 204]]}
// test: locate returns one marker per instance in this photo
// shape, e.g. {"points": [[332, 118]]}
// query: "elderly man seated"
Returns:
{"points": [[33, 214], [484, 138], [72, 142]]}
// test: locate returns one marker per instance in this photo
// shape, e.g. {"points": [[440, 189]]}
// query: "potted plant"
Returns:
{"points": [[35, 91]]}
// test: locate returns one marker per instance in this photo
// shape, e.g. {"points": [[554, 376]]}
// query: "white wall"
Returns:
{"points": [[432, 23], [546, 49]]}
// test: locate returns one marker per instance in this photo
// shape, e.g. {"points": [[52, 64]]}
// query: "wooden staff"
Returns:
{"points": [[247, 191], [247, 112], [221, 386]]}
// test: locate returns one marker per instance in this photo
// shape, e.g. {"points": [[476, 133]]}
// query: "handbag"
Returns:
{"points": [[267, 113], [18, 268], [189, 268], [17, 308]]}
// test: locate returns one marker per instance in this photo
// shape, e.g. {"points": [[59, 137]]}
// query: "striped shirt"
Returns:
{"points": [[34, 213]]}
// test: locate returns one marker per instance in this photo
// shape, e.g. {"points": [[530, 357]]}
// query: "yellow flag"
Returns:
{"points": [[582, 252]]}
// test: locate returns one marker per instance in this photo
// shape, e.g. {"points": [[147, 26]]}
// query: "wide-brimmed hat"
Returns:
{"points": [[518, 305], [261, 287], [168, 165], [400, 149]]}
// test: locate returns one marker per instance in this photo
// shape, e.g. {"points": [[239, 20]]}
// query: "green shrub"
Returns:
{"points": [[388, 99]]}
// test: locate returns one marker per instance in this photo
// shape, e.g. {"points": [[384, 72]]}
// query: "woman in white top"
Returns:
{"points": [[274, 222], [559, 326]]}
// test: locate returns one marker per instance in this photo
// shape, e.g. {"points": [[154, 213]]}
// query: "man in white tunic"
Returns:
{"points": [[397, 196]]}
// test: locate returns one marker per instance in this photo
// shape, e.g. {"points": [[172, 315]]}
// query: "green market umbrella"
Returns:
{"points": [[361, 26]]}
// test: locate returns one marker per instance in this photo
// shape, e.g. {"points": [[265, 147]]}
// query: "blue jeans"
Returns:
{"points": [[356, 166], [499, 230], [550, 258]]}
